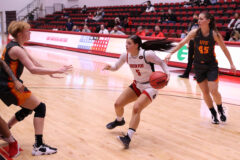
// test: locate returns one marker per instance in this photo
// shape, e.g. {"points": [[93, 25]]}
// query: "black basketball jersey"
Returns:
{"points": [[204, 48], [15, 65]]}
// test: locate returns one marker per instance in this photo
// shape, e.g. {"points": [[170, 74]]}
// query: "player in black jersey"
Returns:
{"points": [[16, 57], [205, 63], [4, 130]]}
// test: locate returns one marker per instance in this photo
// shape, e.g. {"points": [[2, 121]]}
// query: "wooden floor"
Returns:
{"points": [[176, 126]]}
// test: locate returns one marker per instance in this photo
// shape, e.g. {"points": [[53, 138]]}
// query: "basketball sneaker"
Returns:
{"points": [[115, 123], [215, 120], [125, 140], [14, 149], [222, 114], [183, 76], [43, 150]]}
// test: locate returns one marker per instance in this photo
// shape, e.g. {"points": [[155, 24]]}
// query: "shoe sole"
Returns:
{"points": [[33, 154], [116, 126], [125, 147], [223, 122], [183, 77]]}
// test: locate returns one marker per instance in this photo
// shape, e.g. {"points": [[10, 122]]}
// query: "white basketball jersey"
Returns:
{"points": [[140, 68]]}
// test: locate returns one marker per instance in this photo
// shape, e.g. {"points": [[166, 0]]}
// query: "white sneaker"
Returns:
{"points": [[43, 150]]}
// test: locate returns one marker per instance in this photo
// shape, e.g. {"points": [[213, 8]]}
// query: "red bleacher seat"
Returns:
{"points": [[179, 32], [222, 12], [172, 33], [223, 33]]}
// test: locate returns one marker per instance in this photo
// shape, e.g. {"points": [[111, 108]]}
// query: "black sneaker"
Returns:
{"points": [[222, 114], [215, 120], [183, 76], [115, 123], [125, 141]]}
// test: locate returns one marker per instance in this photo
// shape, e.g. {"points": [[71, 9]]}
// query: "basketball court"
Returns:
{"points": [[176, 126]]}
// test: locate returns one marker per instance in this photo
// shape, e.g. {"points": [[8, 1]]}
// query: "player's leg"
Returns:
{"points": [[6, 135], [208, 100], [127, 96], [213, 87], [19, 116], [142, 102], [32, 103]]}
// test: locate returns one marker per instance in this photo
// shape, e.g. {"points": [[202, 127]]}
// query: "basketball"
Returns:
{"points": [[158, 79]]}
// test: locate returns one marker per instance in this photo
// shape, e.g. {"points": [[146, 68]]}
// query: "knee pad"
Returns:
{"points": [[40, 110], [22, 113]]}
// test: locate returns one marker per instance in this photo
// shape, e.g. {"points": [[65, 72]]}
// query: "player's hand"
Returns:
{"points": [[107, 67], [233, 69], [65, 69], [167, 58], [19, 86]]}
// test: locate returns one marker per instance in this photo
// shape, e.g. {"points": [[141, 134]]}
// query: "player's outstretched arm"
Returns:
{"points": [[117, 65], [190, 35], [19, 53], [218, 38]]}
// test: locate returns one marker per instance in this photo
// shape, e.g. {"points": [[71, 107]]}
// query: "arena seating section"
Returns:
{"points": [[222, 11]]}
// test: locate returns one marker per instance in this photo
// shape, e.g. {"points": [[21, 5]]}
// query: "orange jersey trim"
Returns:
{"points": [[21, 96]]}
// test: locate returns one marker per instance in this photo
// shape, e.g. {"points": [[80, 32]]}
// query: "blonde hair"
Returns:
{"points": [[16, 27]]}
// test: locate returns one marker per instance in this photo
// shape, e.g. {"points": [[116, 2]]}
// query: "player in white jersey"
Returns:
{"points": [[141, 59]]}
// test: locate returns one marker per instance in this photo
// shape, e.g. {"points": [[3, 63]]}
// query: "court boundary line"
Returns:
{"points": [[116, 90]]}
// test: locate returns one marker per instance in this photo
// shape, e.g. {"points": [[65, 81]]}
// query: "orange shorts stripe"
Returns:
{"points": [[21, 96], [217, 80]]}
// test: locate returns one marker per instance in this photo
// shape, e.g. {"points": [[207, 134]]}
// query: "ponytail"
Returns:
{"points": [[155, 45]]}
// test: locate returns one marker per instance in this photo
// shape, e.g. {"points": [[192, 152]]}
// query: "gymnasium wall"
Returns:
{"points": [[80, 3], [12, 5], [114, 46], [9, 5]]}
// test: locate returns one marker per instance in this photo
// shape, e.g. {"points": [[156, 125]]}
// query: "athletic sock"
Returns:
{"points": [[38, 140], [213, 111], [220, 108], [119, 119], [130, 132]]}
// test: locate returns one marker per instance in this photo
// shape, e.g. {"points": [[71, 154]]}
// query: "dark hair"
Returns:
{"points": [[155, 45], [212, 24]]}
